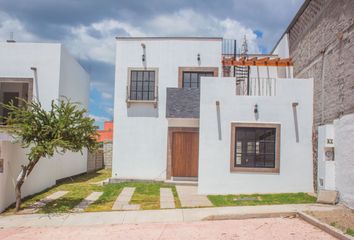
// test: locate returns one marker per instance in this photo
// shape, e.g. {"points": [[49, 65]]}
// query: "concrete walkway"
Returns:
{"points": [[166, 198], [122, 201], [87, 201], [153, 216], [189, 197]]}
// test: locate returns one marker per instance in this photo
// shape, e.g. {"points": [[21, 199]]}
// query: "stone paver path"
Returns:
{"points": [[122, 201], [37, 205], [166, 198], [87, 201], [189, 197]]}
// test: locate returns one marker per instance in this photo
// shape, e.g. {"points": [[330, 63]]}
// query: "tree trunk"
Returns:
{"points": [[19, 182], [26, 170]]}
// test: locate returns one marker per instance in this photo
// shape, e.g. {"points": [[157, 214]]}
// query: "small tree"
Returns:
{"points": [[65, 127]]}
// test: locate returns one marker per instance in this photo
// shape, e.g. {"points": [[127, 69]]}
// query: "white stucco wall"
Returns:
{"points": [[57, 74], [44, 175], [214, 154], [140, 138], [16, 60], [282, 50], [344, 158], [74, 80], [326, 169]]}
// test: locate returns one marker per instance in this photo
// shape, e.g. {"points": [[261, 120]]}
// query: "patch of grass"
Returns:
{"points": [[107, 199], [79, 187], [333, 224], [147, 195], [350, 232], [175, 195], [262, 199]]}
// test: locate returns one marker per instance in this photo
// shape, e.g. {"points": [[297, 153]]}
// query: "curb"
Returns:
{"points": [[242, 216], [324, 227]]}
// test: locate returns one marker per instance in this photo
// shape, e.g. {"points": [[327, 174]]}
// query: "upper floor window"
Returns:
{"points": [[255, 147], [192, 79], [142, 85], [189, 77]]}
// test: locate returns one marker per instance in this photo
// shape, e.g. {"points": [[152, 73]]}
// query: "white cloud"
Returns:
{"points": [[106, 95], [234, 30], [109, 110], [99, 118], [96, 41], [10, 24], [100, 45], [187, 22]]}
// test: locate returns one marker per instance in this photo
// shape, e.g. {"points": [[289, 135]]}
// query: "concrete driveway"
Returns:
{"points": [[266, 228]]}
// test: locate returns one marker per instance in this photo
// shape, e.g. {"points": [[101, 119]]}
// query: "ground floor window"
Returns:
{"points": [[255, 147], [12, 90]]}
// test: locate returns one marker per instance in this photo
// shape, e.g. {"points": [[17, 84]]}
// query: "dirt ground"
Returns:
{"points": [[265, 229], [339, 218]]}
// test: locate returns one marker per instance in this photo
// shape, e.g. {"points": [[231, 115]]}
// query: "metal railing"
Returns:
{"points": [[229, 48], [256, 87], [129, 100]]}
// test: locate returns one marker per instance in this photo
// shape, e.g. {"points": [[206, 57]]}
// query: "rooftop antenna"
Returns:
{"points": [[244, 50], [11, 40]]}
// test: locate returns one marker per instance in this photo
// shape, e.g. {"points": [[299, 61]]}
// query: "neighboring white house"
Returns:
{"points": [[180, 118], [45, 71]]}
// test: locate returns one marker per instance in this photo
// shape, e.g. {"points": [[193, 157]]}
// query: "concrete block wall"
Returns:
{"points": [[107, 153], [95, 161], [323, 48]]}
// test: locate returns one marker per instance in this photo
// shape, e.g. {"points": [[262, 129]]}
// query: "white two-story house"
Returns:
{"points": [[185, 110]]}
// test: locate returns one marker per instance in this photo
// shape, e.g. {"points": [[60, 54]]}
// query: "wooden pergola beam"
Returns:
{"points": [[266, 61]]}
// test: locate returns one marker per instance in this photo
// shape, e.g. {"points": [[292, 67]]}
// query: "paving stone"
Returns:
{"points": [[87, 201], [189, 197], [37, 205], [166, 198], [122, 201]]}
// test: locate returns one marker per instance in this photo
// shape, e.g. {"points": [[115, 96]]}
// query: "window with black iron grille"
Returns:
{"points": [[255, 147], [142, 85], [192, 79]]}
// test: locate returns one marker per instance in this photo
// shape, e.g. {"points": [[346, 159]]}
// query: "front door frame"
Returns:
{"points": [[172, 130]]}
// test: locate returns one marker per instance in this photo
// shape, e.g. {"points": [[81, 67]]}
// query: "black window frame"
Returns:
{"points": [[142, 84], [195, 75], [255, 147]]}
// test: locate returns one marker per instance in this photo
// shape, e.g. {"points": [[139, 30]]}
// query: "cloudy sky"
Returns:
{"points": [[88, 27]]}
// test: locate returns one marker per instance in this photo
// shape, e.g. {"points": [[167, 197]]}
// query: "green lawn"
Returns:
{"points": [[147, 194], [260, 199]]}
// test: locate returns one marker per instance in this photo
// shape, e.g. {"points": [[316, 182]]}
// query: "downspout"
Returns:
{"points": [[323, 53]]}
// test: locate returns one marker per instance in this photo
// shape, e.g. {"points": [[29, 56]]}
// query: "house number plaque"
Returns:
{"points": [[329, 141]]}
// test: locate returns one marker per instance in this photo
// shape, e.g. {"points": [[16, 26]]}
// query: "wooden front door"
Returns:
{"points": [[185, 147]]}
